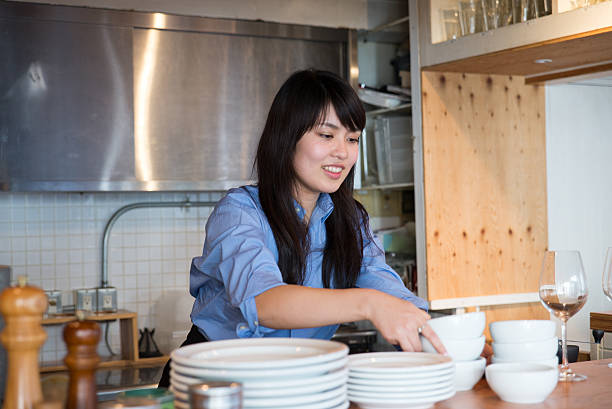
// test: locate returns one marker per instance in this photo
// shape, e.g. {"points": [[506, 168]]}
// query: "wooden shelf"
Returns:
{"points": [[102, 316], [128, 328], [58, 366]]}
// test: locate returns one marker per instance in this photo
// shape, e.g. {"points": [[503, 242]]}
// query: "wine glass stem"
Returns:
{"points": [[564, 363]]}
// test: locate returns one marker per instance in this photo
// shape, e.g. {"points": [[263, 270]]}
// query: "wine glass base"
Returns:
{"points": [[571, 377]]}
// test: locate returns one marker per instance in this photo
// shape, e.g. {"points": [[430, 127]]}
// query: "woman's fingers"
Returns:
{"points": [[429, 333]]}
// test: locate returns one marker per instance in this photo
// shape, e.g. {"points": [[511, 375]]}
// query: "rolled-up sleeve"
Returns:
{"points": [[236, 254], [376, 274]]}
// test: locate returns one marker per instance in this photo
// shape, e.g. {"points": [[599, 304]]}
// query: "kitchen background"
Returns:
{"points": [[54, 238]]}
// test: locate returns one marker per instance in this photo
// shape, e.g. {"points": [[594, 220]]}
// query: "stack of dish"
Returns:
{"points": [[463, 339], [275, 372], [532, 341], [400, 379]]}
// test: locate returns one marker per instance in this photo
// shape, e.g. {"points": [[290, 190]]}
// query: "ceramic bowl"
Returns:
{"points": [[458, 349], [468, 373], [522, 330], [552, 362], [461, 326], [526, 351], [521, 382]]}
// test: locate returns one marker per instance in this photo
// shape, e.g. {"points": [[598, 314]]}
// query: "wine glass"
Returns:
{"points": [[563, 291], [606, 280]]}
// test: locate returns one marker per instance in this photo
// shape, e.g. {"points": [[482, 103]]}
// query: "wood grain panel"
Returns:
{"points": [[585, 49], [485, 185]]}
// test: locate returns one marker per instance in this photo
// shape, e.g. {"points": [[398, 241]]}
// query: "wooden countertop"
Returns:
{"points": [[595, 392]]}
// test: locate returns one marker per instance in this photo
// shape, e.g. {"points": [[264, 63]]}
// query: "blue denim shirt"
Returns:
{"points": [[239, 262]]}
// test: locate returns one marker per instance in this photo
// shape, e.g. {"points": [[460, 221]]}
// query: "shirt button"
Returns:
{"points": [[256, 323]]}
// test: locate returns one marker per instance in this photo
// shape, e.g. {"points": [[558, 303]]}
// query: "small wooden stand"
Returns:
{"points": [[128, 326], [22, 308]]}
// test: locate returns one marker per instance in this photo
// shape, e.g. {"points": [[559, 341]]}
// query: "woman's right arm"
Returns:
{"points": [[292, 306]]}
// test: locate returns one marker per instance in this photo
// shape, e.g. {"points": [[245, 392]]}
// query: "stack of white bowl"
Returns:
{"points": [[400, 379], [524, 368], [280, 373], [531, 341], [463, 339]]}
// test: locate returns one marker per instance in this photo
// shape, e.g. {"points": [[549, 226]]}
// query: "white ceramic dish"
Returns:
{"points": [[397, 363], [241, 375], [526, 351], [552, 362], [340, 401], [276, 387], [402, 395], [460, 326], [404, 387], [405, 377], [522, 330], [458, 349], [377, 403], [181, 384], [259, 353], [403, 380], [468, 373], [520, 382]]}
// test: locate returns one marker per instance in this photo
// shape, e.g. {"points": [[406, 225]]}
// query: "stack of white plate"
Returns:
{"points": [[400, 379], [275, 372]]}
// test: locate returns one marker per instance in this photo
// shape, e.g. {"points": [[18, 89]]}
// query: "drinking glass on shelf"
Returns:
{"points": [[563, 291], [606, 280]]}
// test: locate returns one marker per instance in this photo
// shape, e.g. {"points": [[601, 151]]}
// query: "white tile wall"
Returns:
{"points": [[55, 239]]}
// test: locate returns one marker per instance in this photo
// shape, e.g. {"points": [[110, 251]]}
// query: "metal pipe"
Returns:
{"points": [[126, 208]]}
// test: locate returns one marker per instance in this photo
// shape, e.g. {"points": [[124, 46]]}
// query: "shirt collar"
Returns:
{"points": [[322, 209]]}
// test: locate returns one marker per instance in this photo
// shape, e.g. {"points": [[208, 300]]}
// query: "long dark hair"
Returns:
{"points": [[300, 105]]}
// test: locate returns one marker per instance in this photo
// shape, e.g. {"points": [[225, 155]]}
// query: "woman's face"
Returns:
{"points": [[323, 157]]}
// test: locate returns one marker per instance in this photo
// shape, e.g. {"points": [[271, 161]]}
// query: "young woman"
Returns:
{"points": [[294, 255]]}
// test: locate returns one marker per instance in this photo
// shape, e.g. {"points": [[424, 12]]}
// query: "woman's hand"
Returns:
{"points": [[400, 322], [487, 352]]}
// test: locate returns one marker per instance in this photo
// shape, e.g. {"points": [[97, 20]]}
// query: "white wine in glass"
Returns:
{"points": [[606, 280], [563, 291]]}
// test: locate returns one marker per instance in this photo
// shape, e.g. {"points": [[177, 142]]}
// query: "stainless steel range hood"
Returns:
{"points": [[99, 100]]}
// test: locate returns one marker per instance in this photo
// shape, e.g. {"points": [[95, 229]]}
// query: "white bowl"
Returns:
{"points": [[461, 326], [522, 330], [468, 373], [521, 382], [458, 349], [552, 362], [526, 351]]}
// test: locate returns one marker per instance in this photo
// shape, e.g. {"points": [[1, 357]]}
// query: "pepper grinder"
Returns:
{"points": [[22, 308], [82, 339]]}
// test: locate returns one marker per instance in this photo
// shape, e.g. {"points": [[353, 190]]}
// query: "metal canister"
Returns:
{"points": [[54, 302], [106, 298], [216, 395], [85, 299]]}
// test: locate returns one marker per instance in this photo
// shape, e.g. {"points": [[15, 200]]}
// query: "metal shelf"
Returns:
{"points": [[388, 110]]}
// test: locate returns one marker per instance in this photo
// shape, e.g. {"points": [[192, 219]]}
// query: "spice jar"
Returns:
{"points": [[216, 395]]}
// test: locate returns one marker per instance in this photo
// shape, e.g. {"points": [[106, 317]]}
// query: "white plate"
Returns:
{"points": [[404, 380], [398, 362], [340, 373], [379, 403], [240, 375], [401, 388], [340, 377], [398, 395], [431, 375], [259, 353], [339, 402]]}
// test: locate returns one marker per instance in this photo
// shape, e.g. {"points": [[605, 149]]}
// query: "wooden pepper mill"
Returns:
{"points": [[22, 308], [82, 339]]}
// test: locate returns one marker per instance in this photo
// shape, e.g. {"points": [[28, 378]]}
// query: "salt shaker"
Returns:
{"points": [[216, 395]]}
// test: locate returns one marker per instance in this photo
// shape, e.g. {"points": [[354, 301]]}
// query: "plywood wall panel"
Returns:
{"points": [[485, 184]]}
